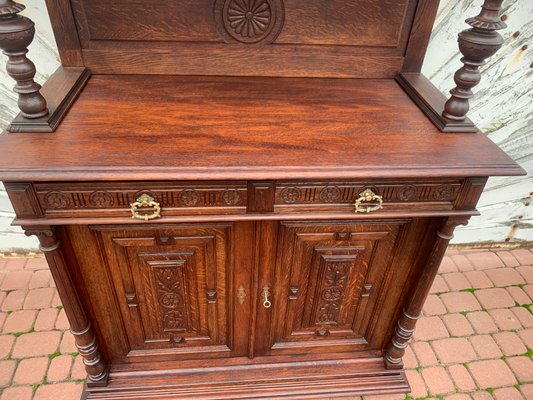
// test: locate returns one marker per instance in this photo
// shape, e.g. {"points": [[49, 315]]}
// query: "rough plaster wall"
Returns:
{"points": [[503, 108]]}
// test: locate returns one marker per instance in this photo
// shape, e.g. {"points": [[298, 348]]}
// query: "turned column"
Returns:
{"points": [[476, 45], [413, 309], [97, 372], [16, 34]]}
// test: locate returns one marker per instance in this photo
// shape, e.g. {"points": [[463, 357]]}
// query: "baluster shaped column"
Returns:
{"points": [[476, 44], [413, 309], [80, 326], [16, 34]]}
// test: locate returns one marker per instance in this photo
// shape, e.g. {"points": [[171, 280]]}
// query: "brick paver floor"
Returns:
{"points": [[474, 341]]}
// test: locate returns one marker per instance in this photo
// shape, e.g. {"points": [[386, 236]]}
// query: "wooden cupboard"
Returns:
{"points": [[244, 199]]}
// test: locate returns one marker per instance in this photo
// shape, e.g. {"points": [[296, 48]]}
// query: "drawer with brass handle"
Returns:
{"points": [[366, 197], [143, 201]]}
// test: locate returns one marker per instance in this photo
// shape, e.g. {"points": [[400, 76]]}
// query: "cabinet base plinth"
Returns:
{"points": [[306, 380]]}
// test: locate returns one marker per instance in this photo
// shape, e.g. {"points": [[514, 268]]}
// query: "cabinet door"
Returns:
{"points": [[328, 283], [172, 285]]}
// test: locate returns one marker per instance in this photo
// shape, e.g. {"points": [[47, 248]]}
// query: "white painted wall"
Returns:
{"points": [[503, 108]]}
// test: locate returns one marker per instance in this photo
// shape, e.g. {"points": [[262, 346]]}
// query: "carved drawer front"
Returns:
{"points": [[172, 285], [342, 196], [116, 199], [330, 277]]}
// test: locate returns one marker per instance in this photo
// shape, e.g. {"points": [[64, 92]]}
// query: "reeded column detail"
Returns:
{"points": [[80, 326], [476, 44], [413, 309], [16, 34]]}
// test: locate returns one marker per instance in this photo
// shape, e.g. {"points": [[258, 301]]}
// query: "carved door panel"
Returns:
{"points": [[172, 286], [328, 282]]}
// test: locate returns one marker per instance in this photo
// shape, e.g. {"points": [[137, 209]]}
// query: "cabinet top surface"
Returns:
{"points": [[163, 127]]}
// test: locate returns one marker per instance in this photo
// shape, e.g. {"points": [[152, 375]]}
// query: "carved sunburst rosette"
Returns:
{"points": [[249, 21]]}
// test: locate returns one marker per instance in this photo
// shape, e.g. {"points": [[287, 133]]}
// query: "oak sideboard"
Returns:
{"points": [[244, 199]]}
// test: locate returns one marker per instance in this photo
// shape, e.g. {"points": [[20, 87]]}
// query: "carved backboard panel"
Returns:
{"points": [[329, 278], [245, 37], [171, 285]]}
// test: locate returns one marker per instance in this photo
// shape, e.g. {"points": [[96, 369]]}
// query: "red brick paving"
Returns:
{"points": [[475, 340]]}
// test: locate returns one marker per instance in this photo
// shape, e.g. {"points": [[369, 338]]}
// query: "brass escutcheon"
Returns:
{"points": [[241, 294]]}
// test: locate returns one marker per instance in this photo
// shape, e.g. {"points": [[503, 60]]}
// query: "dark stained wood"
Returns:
{"points": [[60, 91], [310, 38], [64, 26], [16, 34], [329, 278], [419, 292], [172, 288], [23, 196], [189, 198], [476, 45], [256, 278], [62, 269], [431, 101], [260, 61], [261, 196], [246, 128], [419, 35]]}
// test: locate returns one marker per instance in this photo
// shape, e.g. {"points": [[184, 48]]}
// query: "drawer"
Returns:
{"points": [[293, 197], [116, 198], [243, 199]]}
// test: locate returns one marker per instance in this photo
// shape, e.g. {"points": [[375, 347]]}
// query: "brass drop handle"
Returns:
{"points": [[265, 295], [368, 196], [145, 200]]}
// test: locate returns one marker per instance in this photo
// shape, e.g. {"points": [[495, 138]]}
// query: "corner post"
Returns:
{"points": [[16, 34], [80, 326], [413, 309], [476, 44]]}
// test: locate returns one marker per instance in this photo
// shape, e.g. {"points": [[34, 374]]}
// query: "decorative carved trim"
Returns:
{"points": [[332, 292], [413, 309], [290, 195], [169, 290], [101, 199], [322, 193], [59, 198], [60, 90], [431, 102], [293, 292], [211, 296], [85, 339], [16, 34], [56, 199], [231, 197], [476, 44], [249, 21]]}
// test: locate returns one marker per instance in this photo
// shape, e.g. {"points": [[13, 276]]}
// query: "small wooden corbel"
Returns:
{"points": [[16, 34], [476, 44]]}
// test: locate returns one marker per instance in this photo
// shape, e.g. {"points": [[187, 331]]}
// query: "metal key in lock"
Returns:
{"points": [[266, 295]]}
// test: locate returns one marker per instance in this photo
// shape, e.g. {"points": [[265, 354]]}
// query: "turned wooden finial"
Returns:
{"points": [[16, 34], [476, 44]]}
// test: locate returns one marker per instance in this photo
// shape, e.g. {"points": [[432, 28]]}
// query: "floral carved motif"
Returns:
{"points": [[231, 197], [101, 199], [189, 197], [443, 192], [56, 200], [407, 193], [290, 195], [170, 295], [250, 21], [333, 291], [330, 194]]}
